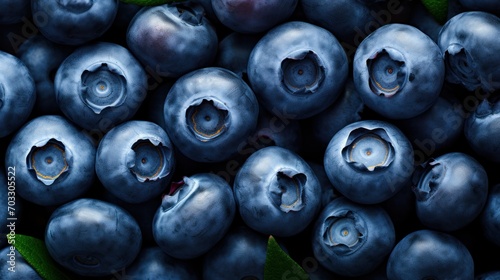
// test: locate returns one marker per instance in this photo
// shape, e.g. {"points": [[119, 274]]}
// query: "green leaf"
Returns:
{"points": [[279, 265], [438, 9], [35, 253], [149, 2]]}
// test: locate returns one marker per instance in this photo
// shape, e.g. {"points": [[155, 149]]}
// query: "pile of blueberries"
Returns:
{"points": [[170, 141]]}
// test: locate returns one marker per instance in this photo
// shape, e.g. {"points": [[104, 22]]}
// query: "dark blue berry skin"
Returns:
{"points": [[298, 69], [253, 16], [14, 10], [209, 113], [369, 161], [277, 192], [482, 126], [352, 239], [22, 269], [398, 71], [135, 161], [451, 191], [234, 51], [328, 192], [241, 254], [490, 217], [54, 160], [100, 85], [73, 22], [194, 216], [91, 237], [177, 36], [43, 57], [490, 6], [17, 93], [156, 265], [429, 254], [469, 43]]}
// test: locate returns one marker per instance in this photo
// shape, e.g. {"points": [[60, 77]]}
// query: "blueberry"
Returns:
{"points": [[177, 36], [253, 16], [43, 57], [481, 126], [73, 22], [429, 254], [154, 264], [328, 192], [241, 254], [398, 71], [54, 160], [194, 216], [298, 69], [352, 239], [209, 113], [369, 161], [277, 192], [91, 237], [13, 11], [451, 190], [17, 93], [469, 41], [490, 217], [100, 85], [135, 161], [14, 266]]}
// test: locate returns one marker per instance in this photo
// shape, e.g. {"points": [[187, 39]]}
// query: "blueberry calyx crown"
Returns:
{"points": [[388, 73], [48, 160], [103, 85], [428, 177], [178, 191], [287, 190], [302, 72], [189, 12], [367, 150], [147, 160], [207, 119], [76, 7], [489, 106], [344, 232], [460, 67]]}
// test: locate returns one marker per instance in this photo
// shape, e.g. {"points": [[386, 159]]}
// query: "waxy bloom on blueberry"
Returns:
{"points": [[91, 237], [100, 85], [135, 161], [398, 71], [369, 161], [54, 160], [209, 113], [277, 192]]}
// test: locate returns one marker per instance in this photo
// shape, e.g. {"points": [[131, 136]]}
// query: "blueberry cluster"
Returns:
{"points": [[170, 141]]}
